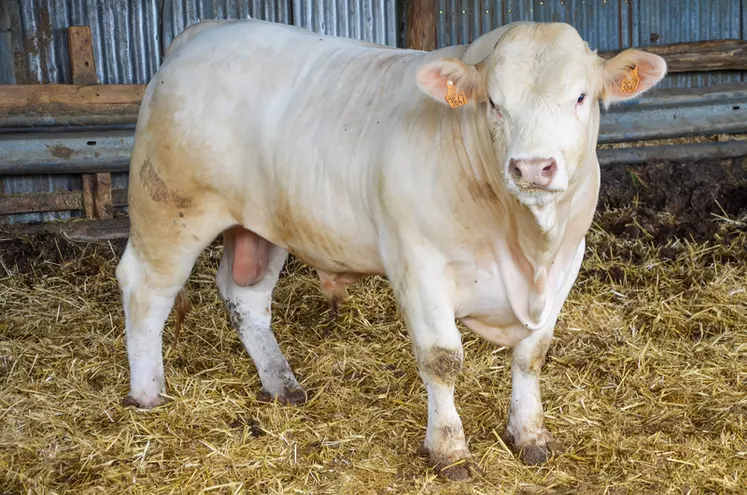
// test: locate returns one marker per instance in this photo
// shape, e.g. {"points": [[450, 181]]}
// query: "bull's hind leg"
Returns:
{"points": [[156, 263], [248, 271]]}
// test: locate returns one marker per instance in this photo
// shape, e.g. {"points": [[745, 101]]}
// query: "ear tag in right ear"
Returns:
{"points": [[453, 97], [631, 81]]}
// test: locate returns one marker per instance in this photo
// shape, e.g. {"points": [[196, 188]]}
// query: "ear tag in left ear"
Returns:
{"points": [[453, 97], [631, 81]]}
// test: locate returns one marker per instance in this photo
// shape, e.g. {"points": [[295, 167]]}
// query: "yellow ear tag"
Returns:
{"points": [[453, 97], [630, 83]]}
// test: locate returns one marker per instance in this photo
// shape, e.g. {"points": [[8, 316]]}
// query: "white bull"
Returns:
{"points": [[468, 176]]}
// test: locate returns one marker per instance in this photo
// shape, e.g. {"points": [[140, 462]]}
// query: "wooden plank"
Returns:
{"points": [[83, 70], [699, 56], [11, 204], [103, 196], [421, 25], [67, 104], [80, 48], [96, 230], [88, 190], [77, 231]]}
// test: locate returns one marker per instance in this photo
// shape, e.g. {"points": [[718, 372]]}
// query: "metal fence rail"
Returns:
{"points": [[678, 113], [670, 113], [65, 153]]}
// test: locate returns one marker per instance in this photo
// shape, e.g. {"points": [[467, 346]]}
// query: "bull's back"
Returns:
{"points": [[287, 127]]}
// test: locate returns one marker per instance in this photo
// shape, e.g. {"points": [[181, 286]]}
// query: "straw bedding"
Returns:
{"points": [[645, 387]]}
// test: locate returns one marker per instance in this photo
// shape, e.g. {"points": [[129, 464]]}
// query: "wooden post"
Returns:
{"points": [[97, 188], [421, 25]]}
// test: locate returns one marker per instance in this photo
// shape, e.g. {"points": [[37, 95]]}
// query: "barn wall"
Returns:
{"points": [[607, 24], [129, 39], [371, 20]]}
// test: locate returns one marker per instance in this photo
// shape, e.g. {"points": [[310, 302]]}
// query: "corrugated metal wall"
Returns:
{"points": [[607, 24], [372, 20], [461, 21], [129, 39], [130, 36], [666, 21]]}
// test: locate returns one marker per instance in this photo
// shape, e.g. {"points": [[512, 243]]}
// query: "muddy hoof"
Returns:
{"points": [[423, 451], [463, 469], [142, 404], [292, 397], [533, 453]]}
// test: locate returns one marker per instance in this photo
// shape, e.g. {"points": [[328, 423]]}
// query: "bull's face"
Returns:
{"points": [[538, 93]]}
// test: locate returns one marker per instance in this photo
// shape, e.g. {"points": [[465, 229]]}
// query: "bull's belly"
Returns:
{"points": [[484, 308], [354, 259], [322, 245]]}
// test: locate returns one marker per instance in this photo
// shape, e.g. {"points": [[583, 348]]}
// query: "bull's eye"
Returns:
{"points": [[581, 98], [494, 107]]}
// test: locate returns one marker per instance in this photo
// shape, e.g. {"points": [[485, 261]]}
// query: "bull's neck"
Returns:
{"points": [[534, 234]]}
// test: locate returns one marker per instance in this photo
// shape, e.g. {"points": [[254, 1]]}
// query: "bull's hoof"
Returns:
{"points": [[456, 467], [143, 403], [289, 397], [535, 452], [464, 470]]}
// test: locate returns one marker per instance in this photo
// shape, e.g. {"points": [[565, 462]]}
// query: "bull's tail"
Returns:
{"points": [[182, 308]]}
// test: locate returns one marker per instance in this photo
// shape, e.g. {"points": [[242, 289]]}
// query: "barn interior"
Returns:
{"points": [[644, 386]]}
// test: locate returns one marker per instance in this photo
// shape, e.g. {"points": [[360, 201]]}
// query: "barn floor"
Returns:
{"points": [[645, 387]]}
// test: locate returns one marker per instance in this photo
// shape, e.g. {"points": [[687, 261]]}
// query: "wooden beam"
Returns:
{"points": [[76, 230], [421, 25], [102, 198], [11, 204], [67, 104], [699, 56], [88, 187], [24, 105], [96, 230], [80, 48], [83, 70]]}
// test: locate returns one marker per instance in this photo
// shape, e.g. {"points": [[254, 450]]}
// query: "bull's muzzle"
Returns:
{"points": [[535, 173]]}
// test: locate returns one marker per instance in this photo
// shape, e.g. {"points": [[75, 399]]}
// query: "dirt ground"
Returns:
{"points": [[645, 387]]}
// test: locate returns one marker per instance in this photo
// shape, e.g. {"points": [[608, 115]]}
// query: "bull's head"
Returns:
{"points": [[539, 91]]}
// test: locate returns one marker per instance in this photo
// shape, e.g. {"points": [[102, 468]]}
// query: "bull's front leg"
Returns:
{"points": [[427, 303], [526, 432]]}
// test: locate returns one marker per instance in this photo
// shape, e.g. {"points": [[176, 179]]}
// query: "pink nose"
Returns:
{"points": [[537, 172]]}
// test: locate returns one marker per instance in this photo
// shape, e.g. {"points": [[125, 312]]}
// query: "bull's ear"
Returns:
{"points": [[450, 81], [629, 74]]}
